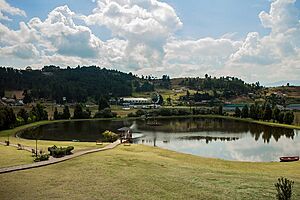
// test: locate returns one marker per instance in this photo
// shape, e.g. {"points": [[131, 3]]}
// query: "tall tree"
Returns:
{"points": [[237, 112], [288, 117], [66, 113], [23, 114], [245, 112], [253, 112], [56, 115], [103, 103], [267, 112], [275, 113], [78, 112]]}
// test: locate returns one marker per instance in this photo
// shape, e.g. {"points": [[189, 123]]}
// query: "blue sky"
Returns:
{"points": [[201, 18], [248, 39]]}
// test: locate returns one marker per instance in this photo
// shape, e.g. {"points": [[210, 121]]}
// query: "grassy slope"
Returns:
{"points": [[141, 172], [10, 156]]}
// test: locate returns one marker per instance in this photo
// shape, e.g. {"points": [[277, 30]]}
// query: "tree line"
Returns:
{"points": [[72, 84], [265, 112], [8, 119], [228, 86]]}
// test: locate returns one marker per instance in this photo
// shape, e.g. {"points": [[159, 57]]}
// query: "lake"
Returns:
{"points": [[215, 138]]}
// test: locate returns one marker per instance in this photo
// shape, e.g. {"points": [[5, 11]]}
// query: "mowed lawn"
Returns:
{"points": [[142, 172], [10, 156]]}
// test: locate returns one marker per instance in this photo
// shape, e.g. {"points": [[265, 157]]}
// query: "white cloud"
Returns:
{"points": [[144, 24], [23, 51], [6, 8], [274, 56], [144, 41]]}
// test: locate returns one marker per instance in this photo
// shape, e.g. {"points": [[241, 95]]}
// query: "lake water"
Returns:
{"points": [[215, 138]]}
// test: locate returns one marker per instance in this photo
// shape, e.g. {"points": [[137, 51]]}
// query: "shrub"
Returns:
{"points": [[109, 136], [284, 189], [140, 112], [58, 152], [105, 113], [41, 157], [131, 115]]}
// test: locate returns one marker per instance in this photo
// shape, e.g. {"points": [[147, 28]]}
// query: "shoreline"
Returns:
{"points": [[18, 129]]}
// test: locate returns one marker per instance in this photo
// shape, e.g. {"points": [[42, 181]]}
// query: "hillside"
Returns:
{"points": [[89, 83], [76, 84]]}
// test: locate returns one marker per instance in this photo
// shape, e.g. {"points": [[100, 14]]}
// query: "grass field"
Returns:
{"points": [[10, 156], [141, 172]]}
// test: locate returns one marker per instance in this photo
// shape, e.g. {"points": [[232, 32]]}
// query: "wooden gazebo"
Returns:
{"points": [[125, 134]]}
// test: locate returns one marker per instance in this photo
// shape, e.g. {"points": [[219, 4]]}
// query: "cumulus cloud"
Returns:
{"points": [[276, 55], [143, 40], [144, 24], [6, 8], [23, 51]]}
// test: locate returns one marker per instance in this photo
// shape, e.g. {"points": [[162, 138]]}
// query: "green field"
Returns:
{"points": [[141, 172]]}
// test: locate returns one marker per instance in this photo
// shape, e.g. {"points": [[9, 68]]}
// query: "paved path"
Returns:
{"points": [[26, 148], [56, 160]]}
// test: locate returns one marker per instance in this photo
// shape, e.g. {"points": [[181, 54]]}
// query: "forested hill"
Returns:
{"points": [[76, 84], [80, 83]]}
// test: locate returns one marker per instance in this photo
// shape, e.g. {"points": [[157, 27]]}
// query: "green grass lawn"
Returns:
{"points": [[11, 156], [142, 172]]}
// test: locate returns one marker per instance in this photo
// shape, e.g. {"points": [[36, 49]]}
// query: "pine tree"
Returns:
{"points": [[275, 114], [245, 112], [78, 112], [253, 112], [237, 112], [103, 103], [267, 112], [56, 114], [66, 113]]}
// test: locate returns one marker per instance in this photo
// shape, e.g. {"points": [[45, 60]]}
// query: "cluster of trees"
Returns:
{"points": [[62, 115], [265, 112], [8, 119], [75, 84], [177, 112], [230, 86], [104, 111], [144, 87]]}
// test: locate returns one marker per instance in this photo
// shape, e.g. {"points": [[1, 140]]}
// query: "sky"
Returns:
{"points": [[256, 40]]}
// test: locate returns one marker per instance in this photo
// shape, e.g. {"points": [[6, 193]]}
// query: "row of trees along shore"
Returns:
{"points": [[8, 119], [265, 112]]}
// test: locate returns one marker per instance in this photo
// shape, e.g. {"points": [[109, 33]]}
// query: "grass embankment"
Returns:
{"points": [[142, 172], [10, 156]]}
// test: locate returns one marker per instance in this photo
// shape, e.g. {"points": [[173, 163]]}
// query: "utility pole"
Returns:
{"points": [[36, 146]]}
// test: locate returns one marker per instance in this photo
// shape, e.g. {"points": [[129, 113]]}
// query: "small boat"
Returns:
{"points": [[289, 158]]}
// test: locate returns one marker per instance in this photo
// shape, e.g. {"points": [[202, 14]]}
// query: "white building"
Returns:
{"points": [[136, 101]]}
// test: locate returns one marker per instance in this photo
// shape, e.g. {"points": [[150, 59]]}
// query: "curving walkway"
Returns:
{"points": [[57, 160], [26, 148]]}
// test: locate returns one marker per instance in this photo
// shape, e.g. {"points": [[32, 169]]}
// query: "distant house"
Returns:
{"points": [[136, 101]]}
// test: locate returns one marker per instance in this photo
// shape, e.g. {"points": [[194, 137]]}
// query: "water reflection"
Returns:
{"points": [[218, 138]]}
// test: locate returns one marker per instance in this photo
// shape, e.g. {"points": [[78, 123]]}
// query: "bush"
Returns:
{"points": [[42, 157], [105, 113], [58, 152], [140, 112], [284, 189], [131, 115], [109, 136]]}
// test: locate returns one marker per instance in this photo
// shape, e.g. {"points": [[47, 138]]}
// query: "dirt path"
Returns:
{"points": [[56, 160]]}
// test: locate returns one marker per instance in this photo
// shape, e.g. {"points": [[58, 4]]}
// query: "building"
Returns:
{"points": [[136, 101]]}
